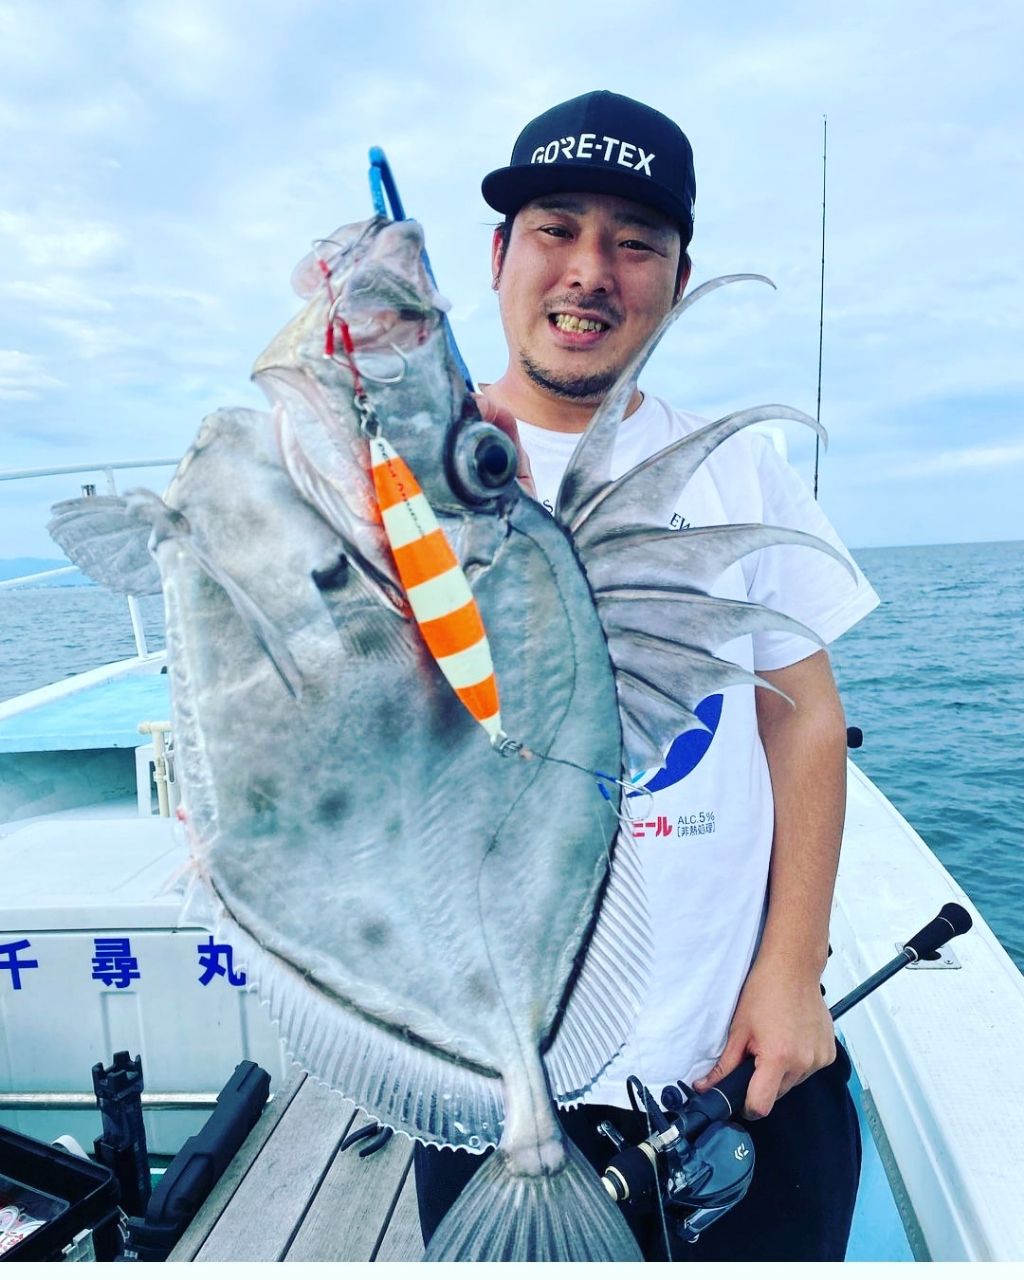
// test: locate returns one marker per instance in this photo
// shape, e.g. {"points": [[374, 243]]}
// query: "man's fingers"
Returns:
{"points": [[505, 421], [732, 1056], [491, 412], [764, 1090]]}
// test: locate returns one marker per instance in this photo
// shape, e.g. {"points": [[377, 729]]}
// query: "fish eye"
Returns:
{"points": [[483, 462], [495, 460]]}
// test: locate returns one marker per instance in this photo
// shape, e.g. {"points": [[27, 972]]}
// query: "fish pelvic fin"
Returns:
{"points": [[507, 1216], [166, 524], [267, 634]]}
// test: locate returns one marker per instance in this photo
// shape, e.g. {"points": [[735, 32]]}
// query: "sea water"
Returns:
{"points": [[934, 677]]}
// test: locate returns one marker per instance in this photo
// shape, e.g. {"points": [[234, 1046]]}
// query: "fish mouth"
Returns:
{"points": [[380, 329], [383, 308]]}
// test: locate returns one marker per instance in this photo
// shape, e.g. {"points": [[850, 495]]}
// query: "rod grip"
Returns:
{"points": [[720, 1102], [734, 1086], [951, 922]]}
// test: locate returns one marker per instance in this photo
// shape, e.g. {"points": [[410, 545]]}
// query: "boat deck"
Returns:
{"points": [[88, 716], [291, 1194]]}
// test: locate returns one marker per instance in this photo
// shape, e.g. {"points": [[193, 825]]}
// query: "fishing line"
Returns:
{"points": [[632, 1084], [509, 747]]}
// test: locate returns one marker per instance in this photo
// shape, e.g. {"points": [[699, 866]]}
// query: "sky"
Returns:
{"points": [[165, 166]]}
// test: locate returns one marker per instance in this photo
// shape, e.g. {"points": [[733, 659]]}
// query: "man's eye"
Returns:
{"points": [[638, 244], [561, 232]]}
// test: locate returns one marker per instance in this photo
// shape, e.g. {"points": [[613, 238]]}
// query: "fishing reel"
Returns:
{"points": [[697, 1161]]}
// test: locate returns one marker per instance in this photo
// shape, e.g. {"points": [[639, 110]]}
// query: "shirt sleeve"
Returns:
{"points": [[801, 582]]}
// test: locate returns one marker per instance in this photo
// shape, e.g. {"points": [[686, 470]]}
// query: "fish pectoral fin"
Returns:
{"points": [[107, 537]]}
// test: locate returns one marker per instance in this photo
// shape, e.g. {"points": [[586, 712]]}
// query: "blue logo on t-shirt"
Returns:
{"points": [[690, 748]]}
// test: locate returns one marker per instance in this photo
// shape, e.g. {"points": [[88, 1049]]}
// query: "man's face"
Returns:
{"points": [[584, 280]]}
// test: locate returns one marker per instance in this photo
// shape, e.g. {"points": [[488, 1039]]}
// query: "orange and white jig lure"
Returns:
{"points": [[438, 591], [440, 597]]}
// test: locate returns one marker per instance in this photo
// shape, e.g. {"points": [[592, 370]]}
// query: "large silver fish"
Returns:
{"points": [[450, 934]]}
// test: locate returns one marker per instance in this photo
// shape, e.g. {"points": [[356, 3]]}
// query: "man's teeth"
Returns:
{"points": [[575, 324]]}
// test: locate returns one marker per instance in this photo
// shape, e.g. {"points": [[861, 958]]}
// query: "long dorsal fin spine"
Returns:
{"points": [[677, 462], [588, 467]]}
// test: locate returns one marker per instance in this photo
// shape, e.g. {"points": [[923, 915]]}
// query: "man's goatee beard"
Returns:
{"points": [[585, 387]]}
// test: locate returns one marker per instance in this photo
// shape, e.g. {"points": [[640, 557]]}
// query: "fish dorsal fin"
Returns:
{"points": [[651, 725], [652, 578], [652, 485], [686, 558], [716, 620], [589, 466]]}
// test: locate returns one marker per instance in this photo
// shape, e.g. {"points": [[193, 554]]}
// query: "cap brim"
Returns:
{"points": [[508, 189]]}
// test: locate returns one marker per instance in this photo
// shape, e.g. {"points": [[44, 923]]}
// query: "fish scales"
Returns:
{"points": [[451, 935]]}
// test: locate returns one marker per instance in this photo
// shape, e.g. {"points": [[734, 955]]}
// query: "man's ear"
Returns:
{"points": [[497, 256], [685, 267]]}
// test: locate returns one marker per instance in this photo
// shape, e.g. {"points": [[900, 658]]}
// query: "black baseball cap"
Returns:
{"points": [[601, 142]]}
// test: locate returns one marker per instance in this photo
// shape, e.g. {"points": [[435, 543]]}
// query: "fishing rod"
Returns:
{"points": [[388, 203], [697, 1160], [821, 300]]}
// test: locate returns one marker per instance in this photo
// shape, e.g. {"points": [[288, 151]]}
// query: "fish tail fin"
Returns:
{"points": [[507, 1216]]}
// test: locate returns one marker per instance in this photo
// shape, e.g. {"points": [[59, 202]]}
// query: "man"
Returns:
{"points": [[741, 846]]}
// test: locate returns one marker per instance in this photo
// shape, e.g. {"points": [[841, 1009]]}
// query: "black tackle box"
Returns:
{"points": [[54, 1207]]}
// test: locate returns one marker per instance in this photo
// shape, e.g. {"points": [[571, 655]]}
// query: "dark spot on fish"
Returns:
{"points": [[375, 933], [480, 989], [334, 575], [332, 807], [393, 830], [261, 798], [262, 795]]}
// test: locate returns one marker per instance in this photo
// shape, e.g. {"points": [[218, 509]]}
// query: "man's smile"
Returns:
{"points": [[569, 323]]}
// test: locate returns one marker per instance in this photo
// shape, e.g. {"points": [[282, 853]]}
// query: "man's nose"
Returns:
{"points": [[590, 266]]}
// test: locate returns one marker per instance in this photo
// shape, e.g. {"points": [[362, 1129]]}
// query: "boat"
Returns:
{"points": [[93, 961]]}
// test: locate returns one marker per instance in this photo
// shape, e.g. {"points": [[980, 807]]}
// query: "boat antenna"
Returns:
{"points": [[821, 304]]}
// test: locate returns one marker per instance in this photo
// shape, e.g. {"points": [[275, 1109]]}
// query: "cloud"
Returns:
{"points": [[94, 341], [953, 462], [58, 293], [22, 376], [53, 241], [166, 166]]}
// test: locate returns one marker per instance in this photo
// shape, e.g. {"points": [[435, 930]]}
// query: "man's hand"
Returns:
{"points": [[784, 1025], [780, 1017], [492, 412]]}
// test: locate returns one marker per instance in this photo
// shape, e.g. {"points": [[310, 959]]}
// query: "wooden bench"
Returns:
{"points": [[290, 1193]]}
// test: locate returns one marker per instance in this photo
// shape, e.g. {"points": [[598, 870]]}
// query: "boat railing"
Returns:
{"points": [[106, 469]]}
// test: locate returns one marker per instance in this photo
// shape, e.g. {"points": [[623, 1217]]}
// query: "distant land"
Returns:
{"points": [[23, 566]]}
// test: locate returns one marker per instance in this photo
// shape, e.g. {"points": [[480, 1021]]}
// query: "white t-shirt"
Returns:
{"points": [[705, 839]]}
